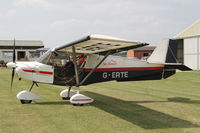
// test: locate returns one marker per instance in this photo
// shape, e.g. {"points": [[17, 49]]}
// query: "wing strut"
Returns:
{"points": [[88, 75], [75, 68]]}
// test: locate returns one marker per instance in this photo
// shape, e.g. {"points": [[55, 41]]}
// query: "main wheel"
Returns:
{"points": [[78, 104], [26, 101], [66, 98]]}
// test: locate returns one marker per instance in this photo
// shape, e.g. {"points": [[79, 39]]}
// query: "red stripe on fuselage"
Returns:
{"points": [[124, 69], [45, 72], [30, 71], [42, 72]]}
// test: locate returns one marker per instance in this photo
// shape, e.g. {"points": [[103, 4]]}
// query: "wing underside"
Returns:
{"points": [[99, 44]]}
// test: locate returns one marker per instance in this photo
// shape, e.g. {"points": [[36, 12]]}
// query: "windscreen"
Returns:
{"points": [[44, 58]]}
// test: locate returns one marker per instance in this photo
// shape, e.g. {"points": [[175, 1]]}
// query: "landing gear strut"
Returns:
{"points": [[26, 97], [67, 93], [80, 99]]}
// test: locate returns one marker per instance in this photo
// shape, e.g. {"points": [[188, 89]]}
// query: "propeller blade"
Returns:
{"points": [[13, 69], [13, 74], [14, 52]]}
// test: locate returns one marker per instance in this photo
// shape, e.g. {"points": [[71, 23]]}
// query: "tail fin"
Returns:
{"points": [[170, 54]]}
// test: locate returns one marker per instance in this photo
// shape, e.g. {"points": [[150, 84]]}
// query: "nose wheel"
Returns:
{"points": [[25, 101], [26, 96]]}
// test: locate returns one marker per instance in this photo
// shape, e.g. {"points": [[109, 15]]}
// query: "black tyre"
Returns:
{"points": [[66, 98], [26, 101], [78, 104]]}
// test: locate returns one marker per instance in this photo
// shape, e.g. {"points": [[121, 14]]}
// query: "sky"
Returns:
{"points": [[58, 22]]}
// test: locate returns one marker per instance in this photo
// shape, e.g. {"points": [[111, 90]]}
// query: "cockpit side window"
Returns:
{"points": [[54, 58], [59, 59]]}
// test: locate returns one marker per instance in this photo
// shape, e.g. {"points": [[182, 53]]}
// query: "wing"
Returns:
{"points": [[98, 44]]}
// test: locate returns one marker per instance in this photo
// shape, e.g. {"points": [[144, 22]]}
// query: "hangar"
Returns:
{"points": [[25, 50], [189, 40]]}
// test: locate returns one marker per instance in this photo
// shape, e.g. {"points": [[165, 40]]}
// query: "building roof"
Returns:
{"points": [[20, 43], [191, 31], [42, 49], [145, 48]]}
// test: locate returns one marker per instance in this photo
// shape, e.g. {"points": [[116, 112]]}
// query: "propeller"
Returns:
{"points": [[13, 68]]}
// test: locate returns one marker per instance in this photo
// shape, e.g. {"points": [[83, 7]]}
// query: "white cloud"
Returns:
{"points": [[10, 13], [65, 23], [30, 2], [7, 14], [36, 3]]}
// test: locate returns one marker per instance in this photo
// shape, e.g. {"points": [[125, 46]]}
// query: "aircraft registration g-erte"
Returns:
{"points": [[94, 59]]}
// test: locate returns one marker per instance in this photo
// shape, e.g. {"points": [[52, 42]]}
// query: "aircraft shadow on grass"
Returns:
{"points": [[183, 100], [140, 115], [173, 99], [137, 114], [52, 103]]}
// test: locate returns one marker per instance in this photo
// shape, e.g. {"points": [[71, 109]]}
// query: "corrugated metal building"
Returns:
{"points": [[189, 38], [25, 50]]}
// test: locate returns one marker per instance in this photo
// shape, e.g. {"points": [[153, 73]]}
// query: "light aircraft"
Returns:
{"points": [[94, 59]]}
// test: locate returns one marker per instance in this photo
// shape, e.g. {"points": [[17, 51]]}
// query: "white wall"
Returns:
{"points": [[192, 52]]}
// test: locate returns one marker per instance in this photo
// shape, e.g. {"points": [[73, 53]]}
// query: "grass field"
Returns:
{"points": [[165, 106]]}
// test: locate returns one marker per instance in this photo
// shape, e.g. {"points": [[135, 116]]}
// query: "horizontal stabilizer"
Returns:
{"points": [[180, 67]]}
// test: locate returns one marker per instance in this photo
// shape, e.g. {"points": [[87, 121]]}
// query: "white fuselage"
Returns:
{"points": [[35, 71], [43, 73]]}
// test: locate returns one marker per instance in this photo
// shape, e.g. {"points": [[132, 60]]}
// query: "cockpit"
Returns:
{"points": [[63, 65]]}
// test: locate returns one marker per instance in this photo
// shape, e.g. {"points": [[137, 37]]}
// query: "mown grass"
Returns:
{"points": [[165, 106]]}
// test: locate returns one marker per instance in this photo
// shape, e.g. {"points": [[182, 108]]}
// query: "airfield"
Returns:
{"points": [[165, 106]]}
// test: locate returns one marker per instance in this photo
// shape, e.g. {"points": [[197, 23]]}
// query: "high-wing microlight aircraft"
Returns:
{"points": [[94, 59]]}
